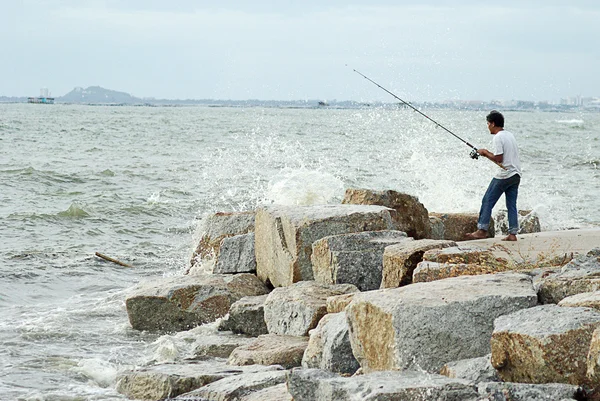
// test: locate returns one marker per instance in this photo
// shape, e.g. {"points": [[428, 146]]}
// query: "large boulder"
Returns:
{"points": [[160, 382], [400, 260], [456, 225], [475, 369], [183, 302], [329, 346], [320, 385], [338, 303], [456, 261], [496, 391], [580, 275], [355, 258], [426, 325], [271, 349], [218, 226], [545, 344], [411, 216], [219, 345], [236, 255], [239, 387], [297, 309], [585, 300], [246, 316], [284, 236]]}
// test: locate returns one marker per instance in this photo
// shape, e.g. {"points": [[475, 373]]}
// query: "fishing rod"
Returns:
{"points": [[474, 154]]}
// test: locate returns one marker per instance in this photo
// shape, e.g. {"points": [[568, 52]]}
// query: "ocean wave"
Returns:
{"points": [[43, 175], [573, 122], [74, 211]]}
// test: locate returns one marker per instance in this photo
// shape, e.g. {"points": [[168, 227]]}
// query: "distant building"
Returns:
{"points": [[44, 97]]}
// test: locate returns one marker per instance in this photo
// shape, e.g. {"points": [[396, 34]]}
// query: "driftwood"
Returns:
{"points": [[112, 260]]}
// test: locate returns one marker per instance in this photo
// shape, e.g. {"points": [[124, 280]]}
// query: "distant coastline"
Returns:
{"points": [[96, 96]]}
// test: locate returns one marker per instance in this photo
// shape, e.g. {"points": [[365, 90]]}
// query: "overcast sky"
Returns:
{"points": [[284, 50]]}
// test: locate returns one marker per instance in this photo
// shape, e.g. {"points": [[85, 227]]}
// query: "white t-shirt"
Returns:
{"points": [[505, 144]]}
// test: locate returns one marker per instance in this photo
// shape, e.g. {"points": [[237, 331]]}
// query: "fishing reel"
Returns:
{"points": [[474, 154]]}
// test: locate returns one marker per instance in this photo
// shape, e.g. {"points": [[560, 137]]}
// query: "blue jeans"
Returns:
{"points": [[510, 188]]}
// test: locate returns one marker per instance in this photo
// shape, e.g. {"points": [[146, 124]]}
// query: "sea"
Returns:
{"points": [[135, 183]]}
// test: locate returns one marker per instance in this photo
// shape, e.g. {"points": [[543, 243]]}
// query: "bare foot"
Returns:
{"points": [[510, 237], [479, 234]]}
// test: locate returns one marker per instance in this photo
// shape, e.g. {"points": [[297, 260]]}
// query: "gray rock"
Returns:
{"points": [[218, 226], [529, 392], [329, 346], [183, 302], [426, 325], [246, 316], [318, 385], [219, 345], [456, 225], [437, 228], [236, 255], [285, 234], [355, 258], [160, 382], [296, 309], [545, 344], [235, 388], [278, 392], [474, 369], [400, 260], [411, 216], [271, 349], [581, 274]]}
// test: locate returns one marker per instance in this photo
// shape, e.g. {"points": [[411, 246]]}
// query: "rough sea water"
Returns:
{"points": [[133, 183]]}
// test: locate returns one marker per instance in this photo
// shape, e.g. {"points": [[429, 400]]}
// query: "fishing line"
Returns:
{"points": [[473, 154]]}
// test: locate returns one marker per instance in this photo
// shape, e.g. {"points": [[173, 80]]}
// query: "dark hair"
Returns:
{"points": [[495, 117]]}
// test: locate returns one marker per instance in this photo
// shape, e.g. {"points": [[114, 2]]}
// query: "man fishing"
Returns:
{"points": [[506, 181]]}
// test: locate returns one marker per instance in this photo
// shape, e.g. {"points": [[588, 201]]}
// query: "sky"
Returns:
{"points": [[282, 50]]}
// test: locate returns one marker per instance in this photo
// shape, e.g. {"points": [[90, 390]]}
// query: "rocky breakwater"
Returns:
{"points": [[338, 302]]}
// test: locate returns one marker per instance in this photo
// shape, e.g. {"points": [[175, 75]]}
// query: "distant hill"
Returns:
{"points": [[97, 94]]}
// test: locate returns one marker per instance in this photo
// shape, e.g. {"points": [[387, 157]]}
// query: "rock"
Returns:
{"points": [[296, 309], [355, 258], [160, 382], [529, 222], [319, 385], [456, 225], [338, 303], [278, 392], [271, 349], [285, 234], [239, 387], [474, 369], [329, 346], [585, 300], [400, 260], [545, 344], [246, 316], [236, 255], [426, 325], [457, 261], [219, 226], [437, 228], [462, 254], [593, 358], [581, 274], [431, 271], [183, 302], [411, 216], [529, 392], [219, 345]]}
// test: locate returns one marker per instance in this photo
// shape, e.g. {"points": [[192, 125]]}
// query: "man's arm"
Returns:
{"points": [[490, 155]]}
